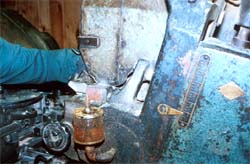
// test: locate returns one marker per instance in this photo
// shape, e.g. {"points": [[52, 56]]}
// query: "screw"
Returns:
{"points": [[206, 57]]}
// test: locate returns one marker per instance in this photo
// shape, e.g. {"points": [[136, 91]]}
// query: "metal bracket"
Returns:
{"points": [[164, 109], [125, 99], [88, 41]]}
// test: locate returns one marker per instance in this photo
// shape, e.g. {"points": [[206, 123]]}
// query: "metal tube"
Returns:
{"points": [[105, 157]]}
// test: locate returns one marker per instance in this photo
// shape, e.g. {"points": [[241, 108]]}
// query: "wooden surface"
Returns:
{"points": [[60, 18]]}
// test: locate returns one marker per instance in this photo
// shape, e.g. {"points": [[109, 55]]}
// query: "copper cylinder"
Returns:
{"points": [[88, 126]]}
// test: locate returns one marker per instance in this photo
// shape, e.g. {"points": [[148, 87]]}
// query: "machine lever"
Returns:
{"points": [[165, 109]]}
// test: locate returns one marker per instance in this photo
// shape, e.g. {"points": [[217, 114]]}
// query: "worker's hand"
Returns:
{"points": [[81, 75], [81, 66]]}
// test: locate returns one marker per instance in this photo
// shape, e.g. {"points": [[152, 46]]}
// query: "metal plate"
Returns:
{"points": [[128, 31]]}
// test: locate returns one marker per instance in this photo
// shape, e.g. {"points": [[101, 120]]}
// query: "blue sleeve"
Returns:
{"points": [[19, 65]]}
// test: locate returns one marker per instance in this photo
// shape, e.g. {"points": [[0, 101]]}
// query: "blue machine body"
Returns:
{"points": [[219, 127]]}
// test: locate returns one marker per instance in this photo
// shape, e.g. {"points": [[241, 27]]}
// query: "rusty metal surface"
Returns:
{"points": [[219, 129], [171, 70], [123, 132], [128, 31]]}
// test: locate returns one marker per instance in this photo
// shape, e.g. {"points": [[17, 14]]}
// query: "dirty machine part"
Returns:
{"points": [[116, 34], [89, 132], [203, 75], [197, 108], [88, 126]]}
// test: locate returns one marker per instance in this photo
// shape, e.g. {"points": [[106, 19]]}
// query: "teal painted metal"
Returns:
{"points": [[219, 130]]}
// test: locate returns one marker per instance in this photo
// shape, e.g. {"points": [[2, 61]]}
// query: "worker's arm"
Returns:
{"points": [[19, 65]]}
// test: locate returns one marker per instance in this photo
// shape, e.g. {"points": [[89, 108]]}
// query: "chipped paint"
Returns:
{"points": [[185, 62], [231, 90], [219, 130], [216, 133]]}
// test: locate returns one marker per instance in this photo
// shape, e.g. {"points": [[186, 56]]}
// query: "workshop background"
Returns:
{"points": [[60, 18]]}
